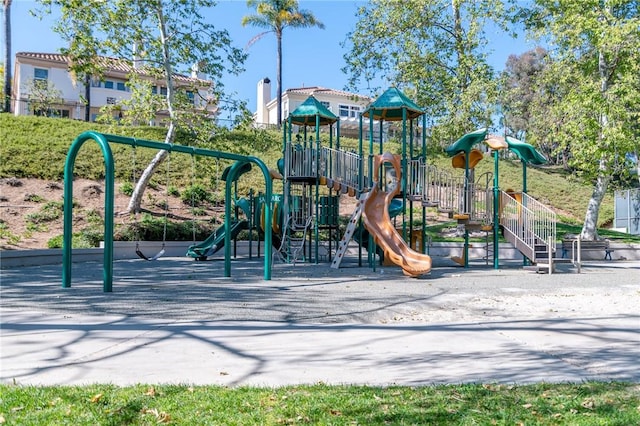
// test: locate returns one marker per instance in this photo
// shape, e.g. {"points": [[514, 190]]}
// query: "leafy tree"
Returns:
{"points": [[528, 94], [163, 35], [596, 57], [434, 50], [6, 72], [519, 89], [276, 15], [140, 109], [43, 97]]}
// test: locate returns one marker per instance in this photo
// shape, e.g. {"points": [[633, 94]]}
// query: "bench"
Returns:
{"points": [[568, 244]]}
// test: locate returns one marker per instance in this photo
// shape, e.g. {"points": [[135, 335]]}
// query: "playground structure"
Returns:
{"points": [[313, 172], [301, 224]]}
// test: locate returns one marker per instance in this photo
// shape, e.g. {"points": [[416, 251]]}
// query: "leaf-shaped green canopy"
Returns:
{"points": [[390, 104], [306, 113], [466, 142], [525, 151]]}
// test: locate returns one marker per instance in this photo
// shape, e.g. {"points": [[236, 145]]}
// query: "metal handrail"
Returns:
{"points": [[343, 166], [529, 221]]}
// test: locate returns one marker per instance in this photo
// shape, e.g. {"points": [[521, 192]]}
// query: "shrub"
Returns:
{"points": [[86, 238], [49, 212], [126, 188], [34, 198], [195, 195]]}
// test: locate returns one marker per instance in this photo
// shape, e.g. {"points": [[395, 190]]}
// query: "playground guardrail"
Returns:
{"points": [[344, 166], [527, 219]]}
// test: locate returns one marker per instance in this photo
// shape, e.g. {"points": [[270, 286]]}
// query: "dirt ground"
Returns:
{"points": [[20, 198]]}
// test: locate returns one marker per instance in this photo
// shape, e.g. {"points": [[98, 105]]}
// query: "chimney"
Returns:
{"points": [[137, 59], [195, 71], [263, 98]]}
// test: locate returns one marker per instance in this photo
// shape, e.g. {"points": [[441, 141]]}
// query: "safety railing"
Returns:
{"points": [[544, 219], [527, 220], [480, 205], [343, 166], [442, 189], [300, 162]]}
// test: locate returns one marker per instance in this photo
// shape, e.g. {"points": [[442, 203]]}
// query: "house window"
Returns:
{"points": [[96, 83], [121, 86], [154, 90], [191, 96], [40, 74], [51, 112], [108, 84], [111, 101], [163, 91], [326, 104], [350, 111]]}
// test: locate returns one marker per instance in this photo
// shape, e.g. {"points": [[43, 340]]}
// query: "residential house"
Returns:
{"points": [[52, 69], [347, 106]]}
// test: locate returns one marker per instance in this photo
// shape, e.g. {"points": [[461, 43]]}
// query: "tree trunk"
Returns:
{"points": [[145, 177], [87, 95], [7, 57], [279, 80], [590, 226], [143, 182]]}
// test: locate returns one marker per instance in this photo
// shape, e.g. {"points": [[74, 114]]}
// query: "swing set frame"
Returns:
{"points": [[103, 141]]}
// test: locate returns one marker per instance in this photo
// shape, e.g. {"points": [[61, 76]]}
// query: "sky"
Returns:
{"points": [[302, 66]]}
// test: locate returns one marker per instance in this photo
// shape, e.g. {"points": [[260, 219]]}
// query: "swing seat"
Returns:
{"points": [[157, 256]]}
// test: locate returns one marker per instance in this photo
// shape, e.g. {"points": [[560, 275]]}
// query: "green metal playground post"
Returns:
{"points": [[67, 238], [465, 203], [496, 212], [403, 168], [317, 185]]}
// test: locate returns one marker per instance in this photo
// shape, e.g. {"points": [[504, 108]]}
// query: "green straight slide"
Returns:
{"points": [[215, 241]]}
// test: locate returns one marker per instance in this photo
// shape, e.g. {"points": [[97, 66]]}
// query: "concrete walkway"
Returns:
{"points": [[180, 321]]}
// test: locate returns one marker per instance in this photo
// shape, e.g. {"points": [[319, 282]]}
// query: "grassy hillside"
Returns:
{"points": [[36, 147]]}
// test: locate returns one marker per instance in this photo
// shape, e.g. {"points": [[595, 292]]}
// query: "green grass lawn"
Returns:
{"points": [[476, 404]]}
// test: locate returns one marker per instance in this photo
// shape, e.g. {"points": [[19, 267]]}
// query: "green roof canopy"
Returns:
{"points": [[466, 142], [525, 151], [390, 104], [306, 113]]}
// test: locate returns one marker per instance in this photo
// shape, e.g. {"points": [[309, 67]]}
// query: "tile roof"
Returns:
{"points": [[313, 90], [109, 63]]}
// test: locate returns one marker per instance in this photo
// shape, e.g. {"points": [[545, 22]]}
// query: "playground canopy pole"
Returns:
{"points": [[102, 140], [496, 213]]}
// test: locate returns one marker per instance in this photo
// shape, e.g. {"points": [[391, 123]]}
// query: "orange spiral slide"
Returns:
{"points": [[378, 222]]}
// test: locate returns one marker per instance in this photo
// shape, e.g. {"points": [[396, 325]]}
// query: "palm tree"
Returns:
{"points": [[276, 15], [6, 93]]}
